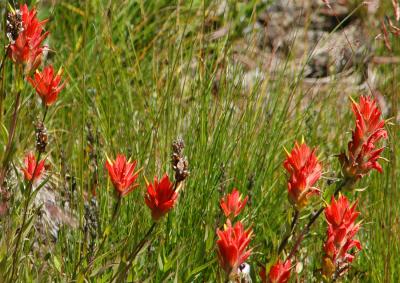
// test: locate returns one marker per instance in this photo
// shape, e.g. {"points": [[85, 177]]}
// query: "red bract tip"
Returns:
{"points": [[340, 212], [304, 171], [233, 204], [160, 197], [27, 48], [280, 272], [232, 246], [47, 84], [122, 174], [362, 152], [340, 216], [30, 166]]}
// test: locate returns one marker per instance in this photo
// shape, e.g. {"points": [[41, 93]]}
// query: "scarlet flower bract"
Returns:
{"points": [[160, 197], [304, 171], [362, 152], [340, 212], [30, 166], [122, 175], [27, 47], [233, 204], [47, 84], [232, 244], [340, 216], [280, 272]]}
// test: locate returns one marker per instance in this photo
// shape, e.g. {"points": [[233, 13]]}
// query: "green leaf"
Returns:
{"points": [[57, 264], [199, 269], [160, 262]]}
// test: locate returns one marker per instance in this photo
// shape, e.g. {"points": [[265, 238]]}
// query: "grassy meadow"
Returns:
{"points": [[141, 74]]}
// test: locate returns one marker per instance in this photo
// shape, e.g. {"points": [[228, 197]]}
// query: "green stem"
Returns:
{"points": [[45, 113], [306, 230], [25, 215], [132, 256], [13, 124], [3, 85], [25, 211], [11, 134], [291, 231], [3, 61]]}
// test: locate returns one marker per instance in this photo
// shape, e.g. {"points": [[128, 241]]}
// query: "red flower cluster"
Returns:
{"points": [[341, 217], [47, 84], [122, 174], [304, 171], [232, 246], [30, 166], [233, 241], [160, 197], [362, 152], [280, 272], [233, 204], [27, 48]]}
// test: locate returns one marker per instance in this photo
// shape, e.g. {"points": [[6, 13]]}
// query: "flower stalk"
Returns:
{"points": [[28, 199], [311, 221], [13, 124], [120, 276], [293, 225]]}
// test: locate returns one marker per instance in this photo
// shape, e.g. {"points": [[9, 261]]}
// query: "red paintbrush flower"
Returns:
{"points": [[47, 84], [30, 166], [122, 174], [27, 48], [232, 244], [340, 213], [160, 197], [280, 272], [340, 216], [304, 171], [362, 152], [233, 204]]}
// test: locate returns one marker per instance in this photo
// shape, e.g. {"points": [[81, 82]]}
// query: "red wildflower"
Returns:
{"points": [[233, 204], [160, 197], [232, 244], [340, 216], [362, 152], [30, 166], [122, 175], [280, 272], [27, 47], [304, 170], [47, 84], [340, 212]]}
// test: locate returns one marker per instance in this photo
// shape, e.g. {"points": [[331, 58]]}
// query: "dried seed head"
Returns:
{"points": [[179, 161], [91, 223], [250, 186], [181, 169], [177, 146], [92, 141], [41, 137], [14, 25]]}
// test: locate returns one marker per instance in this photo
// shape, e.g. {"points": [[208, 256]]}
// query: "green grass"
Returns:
{"points": [[140, 74]]}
